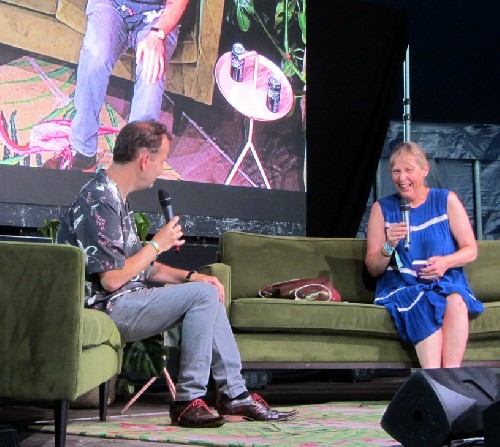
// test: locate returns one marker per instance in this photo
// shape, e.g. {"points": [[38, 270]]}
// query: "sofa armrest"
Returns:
{"points": [[223, 272], [41, 301]]}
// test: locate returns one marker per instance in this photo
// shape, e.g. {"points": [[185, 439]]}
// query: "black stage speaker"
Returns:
{"points": [[435, 406], [8, 436], [491, 422]]}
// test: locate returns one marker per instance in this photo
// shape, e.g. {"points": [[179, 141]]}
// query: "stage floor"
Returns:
{"points": [[322, 388]]}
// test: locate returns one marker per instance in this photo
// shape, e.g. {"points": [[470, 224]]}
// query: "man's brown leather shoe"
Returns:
{"points": [[83, 163], [195, 414], [69, 159], [253, 408]]}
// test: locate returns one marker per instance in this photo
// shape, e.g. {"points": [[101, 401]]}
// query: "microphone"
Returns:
{"points": [[166, 206], [405, 213]]}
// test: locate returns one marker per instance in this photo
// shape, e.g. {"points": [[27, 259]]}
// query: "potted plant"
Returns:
{"points": [[287, 34]]}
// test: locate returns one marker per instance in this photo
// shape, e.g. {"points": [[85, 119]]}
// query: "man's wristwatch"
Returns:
{"points": [[190, 273], [159, 32]]}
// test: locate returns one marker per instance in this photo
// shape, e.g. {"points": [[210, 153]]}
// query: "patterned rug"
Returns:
{"points": [[350, 424]]}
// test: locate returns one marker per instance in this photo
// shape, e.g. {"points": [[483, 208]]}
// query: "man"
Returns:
{"points": [[150, 27], [118, 267]]}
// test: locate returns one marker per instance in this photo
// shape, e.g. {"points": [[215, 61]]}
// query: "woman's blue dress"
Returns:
{"points": [[417, 307]]}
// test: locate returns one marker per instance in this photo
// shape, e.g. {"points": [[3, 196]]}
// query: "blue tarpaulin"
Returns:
{"points": [[464, 158]]}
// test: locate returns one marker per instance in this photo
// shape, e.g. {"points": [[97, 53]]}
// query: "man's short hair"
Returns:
{"points": [[137, 136]]}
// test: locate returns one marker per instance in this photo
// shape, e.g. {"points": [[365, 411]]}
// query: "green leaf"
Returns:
{"points": [[50, 229], [278, 16], [12, 161], [143, 225], [246, 5], [292, 6], [243, 20], [146, 358], [302, 24], [287, 70]]}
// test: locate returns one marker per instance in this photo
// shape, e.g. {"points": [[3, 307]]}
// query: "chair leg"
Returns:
{"points": [[178, 112], [61, 421], [103, 400]]}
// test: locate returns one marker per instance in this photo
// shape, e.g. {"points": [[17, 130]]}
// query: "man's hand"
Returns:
{"points": [[200, 277], [170, 235], [151, 51]]}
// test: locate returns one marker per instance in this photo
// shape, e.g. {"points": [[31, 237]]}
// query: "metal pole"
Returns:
{"points": [[406, 117], [378, 183], [477, 199], [406, 97]]}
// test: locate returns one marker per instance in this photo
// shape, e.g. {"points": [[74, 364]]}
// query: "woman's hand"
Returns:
{"points": [[395, 232], [377, 256], [435, 269]]}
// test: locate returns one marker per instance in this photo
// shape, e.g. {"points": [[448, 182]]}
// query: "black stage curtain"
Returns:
{"points": [[355, 61]]}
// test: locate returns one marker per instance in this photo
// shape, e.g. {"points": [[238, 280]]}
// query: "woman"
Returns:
{"points": [[430, 309]]}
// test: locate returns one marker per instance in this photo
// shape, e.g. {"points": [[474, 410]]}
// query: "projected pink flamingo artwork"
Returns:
{"points": [[47, 136]]}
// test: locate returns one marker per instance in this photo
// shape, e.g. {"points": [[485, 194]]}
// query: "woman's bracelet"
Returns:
{"points": [[387, 250], [156, 247]]}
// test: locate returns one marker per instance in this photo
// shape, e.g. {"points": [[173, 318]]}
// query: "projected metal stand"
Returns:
{"points": [[249, 98]]}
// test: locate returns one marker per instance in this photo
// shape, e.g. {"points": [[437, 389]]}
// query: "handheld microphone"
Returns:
{"points": [[166, 206], [405, 213]]}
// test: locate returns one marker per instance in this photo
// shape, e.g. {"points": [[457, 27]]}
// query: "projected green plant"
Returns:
{"points": [[287, 32]]}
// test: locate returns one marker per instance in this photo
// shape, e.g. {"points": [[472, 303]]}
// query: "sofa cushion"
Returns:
{"points": [[258, 260], [38, 33], [306, 317], [72, 13], [45, 6], [482, 272], [99, 329], [487, 324], [278, 315]]}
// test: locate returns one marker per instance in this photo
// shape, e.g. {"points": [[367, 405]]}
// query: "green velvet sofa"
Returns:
{"points": [[51, 348], [275, 333], [55, 28]]}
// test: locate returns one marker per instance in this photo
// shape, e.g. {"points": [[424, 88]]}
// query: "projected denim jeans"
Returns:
{"points": [[207, 339], [112, 29]]}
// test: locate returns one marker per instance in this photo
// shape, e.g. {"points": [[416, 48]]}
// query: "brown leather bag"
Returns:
{"points": [[307, 289]]}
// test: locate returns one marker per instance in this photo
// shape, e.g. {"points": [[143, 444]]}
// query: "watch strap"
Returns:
{"points": [[159, 32]]}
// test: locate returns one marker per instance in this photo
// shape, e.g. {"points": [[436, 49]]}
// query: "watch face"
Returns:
{"points": [[159, 32]]}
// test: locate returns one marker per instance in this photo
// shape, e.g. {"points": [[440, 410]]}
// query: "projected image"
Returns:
{"points": [[247, 131]]}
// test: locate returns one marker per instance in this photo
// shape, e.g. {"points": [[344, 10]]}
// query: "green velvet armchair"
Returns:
{"points": [[51, 348]]}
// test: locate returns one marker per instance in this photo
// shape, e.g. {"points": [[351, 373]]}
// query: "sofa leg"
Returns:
{"points": [[61, 421], [103, 400], [179, 108]]}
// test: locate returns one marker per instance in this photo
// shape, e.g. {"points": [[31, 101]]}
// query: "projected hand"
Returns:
{"points": [[151, 52]]}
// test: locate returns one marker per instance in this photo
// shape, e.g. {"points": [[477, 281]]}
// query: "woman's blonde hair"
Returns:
{"points": [[406, 149]]}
